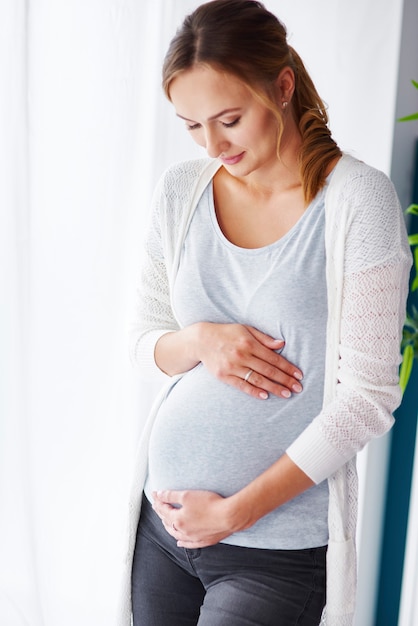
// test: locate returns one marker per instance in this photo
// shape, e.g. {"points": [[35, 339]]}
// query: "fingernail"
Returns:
{"points": [[296, 387], [286, 393], [298, 375], [263, 395]]}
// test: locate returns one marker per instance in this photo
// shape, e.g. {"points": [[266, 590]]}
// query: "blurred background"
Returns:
{"points": [[85, 132]]}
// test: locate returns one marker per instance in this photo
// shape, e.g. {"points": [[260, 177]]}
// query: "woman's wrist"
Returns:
{"points": [[194, 338], [177, 351], [240, 512], [280, 483]]}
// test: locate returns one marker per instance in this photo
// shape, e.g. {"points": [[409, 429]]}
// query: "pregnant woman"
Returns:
{"points": [[273, 296]]}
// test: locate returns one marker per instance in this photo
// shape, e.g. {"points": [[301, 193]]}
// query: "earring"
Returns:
{"points": [[284, 104]]}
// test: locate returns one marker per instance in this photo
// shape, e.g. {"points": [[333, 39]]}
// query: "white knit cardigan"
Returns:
{"points": [[368, 261]]}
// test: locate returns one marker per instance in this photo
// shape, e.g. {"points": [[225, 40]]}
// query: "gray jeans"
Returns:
{"points": [[223, 585]]}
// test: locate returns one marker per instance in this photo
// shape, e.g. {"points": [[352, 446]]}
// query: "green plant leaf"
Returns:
{"points": [[408, 118], [412, 320], [407, 333], [406, 367], [409, 344], [412, 209], [413, 239]]}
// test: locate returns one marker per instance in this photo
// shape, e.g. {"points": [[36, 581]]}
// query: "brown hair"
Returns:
{"points": [[244, 39]]}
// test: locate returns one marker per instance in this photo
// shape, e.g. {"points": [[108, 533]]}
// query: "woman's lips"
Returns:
{"points": [[232, 160]]}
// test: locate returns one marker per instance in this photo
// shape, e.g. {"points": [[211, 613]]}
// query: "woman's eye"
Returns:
{"points": [[231, 124], [192, 126], [224, 124]]}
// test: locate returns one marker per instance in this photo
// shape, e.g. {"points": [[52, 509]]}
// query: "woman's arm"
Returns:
{"points": [[205, 518], [367, 393], [159, 347], [229, 352]]}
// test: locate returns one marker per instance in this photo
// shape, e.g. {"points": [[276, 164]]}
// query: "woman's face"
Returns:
{"points": [[224, 117]]}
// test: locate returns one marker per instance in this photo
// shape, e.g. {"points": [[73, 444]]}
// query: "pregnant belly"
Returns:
{"points": [[208, 435]]}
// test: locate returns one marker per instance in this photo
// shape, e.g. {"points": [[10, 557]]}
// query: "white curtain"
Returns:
{"points": [[84, 134]]}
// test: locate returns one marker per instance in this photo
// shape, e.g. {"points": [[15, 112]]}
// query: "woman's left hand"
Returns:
{"points": [[196, 519]]}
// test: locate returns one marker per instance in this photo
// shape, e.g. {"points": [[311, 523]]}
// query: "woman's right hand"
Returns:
{"points": [[247, 359], [236, 354]]}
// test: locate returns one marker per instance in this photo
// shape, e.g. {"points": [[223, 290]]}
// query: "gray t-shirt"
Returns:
{"points": [[208, 435]]}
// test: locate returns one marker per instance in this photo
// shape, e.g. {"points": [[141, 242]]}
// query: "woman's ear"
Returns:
{"points": [[285, 85]]}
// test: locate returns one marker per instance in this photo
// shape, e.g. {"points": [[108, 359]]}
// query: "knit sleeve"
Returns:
{"points": [[175, 196], [153, 313], [377, 262]]}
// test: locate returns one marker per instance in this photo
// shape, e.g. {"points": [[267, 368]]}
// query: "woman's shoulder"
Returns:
{"points": [[180, 177], [180, 187], [365, 205], [358, 180]]}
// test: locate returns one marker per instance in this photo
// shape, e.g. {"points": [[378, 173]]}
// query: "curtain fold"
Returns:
{"points": [[76, 183], [18, 583], [83, 125]]}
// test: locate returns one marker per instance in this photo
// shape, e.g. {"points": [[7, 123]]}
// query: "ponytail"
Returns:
{"points": [[318, 148]]}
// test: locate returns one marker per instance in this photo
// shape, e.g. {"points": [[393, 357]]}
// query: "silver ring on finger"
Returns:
{"points": [[247, 375]]}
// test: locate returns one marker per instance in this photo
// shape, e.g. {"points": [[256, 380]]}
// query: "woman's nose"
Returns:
{"points": [[215, 143]]}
